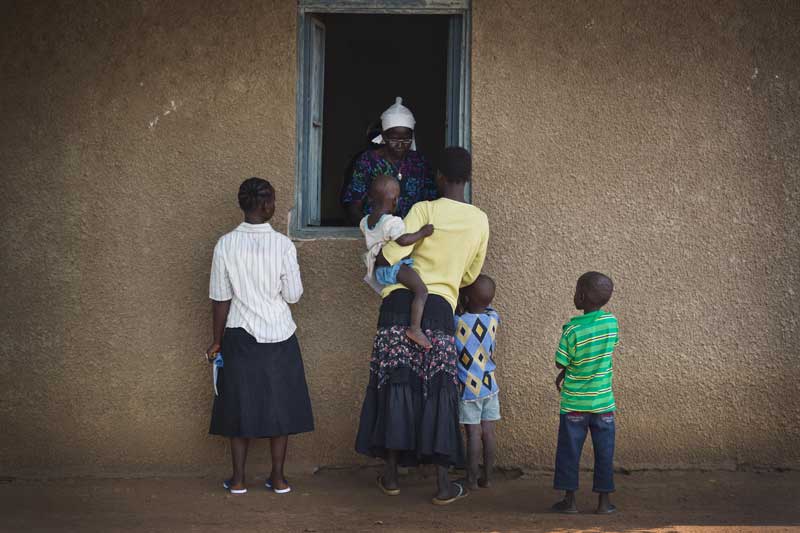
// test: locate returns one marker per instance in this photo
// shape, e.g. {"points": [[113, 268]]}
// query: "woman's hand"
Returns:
{"points": [[219, 313], [212, 351]]}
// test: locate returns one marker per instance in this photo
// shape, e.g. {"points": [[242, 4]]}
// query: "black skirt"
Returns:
{"points": [[411, 401], [262, 389]]}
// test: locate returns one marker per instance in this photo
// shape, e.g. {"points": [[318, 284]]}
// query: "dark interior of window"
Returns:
{"points": [[369, 60]]}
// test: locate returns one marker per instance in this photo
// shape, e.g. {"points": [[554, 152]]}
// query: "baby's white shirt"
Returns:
{"points": [[388, 228]]}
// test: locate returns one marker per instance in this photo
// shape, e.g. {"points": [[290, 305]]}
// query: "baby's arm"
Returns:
{"points": [[411, 238]]}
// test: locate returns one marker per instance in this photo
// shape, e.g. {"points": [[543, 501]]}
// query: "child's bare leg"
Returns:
{"points": [[408, 277], [604, 505], [277, 447], [473, 454], [567, 505], [239, 447], [489, 450]]}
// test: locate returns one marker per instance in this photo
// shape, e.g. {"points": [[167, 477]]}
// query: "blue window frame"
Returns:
{"points": [[305, 217]]}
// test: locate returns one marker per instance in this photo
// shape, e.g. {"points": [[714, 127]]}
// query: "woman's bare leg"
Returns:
{"points": [[239, 447], [277, 446], [445, 489], [390, 479]]}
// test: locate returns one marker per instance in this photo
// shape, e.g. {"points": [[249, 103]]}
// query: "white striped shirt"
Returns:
{"points": [[256, 268]]}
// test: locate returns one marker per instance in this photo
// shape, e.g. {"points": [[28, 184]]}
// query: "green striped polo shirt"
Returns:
{"points": [[585, 350]]}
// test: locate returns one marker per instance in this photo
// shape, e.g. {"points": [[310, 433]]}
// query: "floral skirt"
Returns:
{"points": [[411, 401]]}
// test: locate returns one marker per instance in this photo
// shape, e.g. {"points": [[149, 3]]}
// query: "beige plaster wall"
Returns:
{"points": [[657, 142]]}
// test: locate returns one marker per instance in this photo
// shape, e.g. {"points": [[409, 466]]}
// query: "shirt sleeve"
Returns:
{"points": [[565, 350], [414, 221], [394, 228], [356, 189], [291, 284], [474, 269], [219, 286]]}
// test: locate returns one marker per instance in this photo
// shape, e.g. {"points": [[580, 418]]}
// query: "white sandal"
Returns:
{"points": [[287, 490], [227, 486]]}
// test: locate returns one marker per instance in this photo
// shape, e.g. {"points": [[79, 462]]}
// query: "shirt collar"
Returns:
{"points": [[588, 317], [254, 228]]}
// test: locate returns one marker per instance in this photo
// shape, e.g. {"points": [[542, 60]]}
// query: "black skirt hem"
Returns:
{"points": [[398, 417], [244, 436]]}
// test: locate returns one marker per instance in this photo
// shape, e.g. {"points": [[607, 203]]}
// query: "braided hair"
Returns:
{"points": [[254, 192]]}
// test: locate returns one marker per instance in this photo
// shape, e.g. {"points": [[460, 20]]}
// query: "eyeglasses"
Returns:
{"points": [[399, 142]]}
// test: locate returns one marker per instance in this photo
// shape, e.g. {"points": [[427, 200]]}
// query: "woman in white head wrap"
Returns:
{"points": [[396, 156]]}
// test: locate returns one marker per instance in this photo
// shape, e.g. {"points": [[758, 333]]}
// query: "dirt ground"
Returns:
{"points": [[347, 500]]}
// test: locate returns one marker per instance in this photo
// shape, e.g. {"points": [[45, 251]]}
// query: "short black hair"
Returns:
{"points": [[381, 185], [253, 192], [482, 289], [597, 288], [455, 164]]}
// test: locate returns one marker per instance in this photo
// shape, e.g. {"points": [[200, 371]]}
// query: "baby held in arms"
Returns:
{"points": [[382, 226]]}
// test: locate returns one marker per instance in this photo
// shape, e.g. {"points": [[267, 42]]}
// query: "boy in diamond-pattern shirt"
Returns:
{"points": [[479, 407]]}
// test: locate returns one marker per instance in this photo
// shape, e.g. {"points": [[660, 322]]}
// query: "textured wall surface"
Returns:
{"points": [[657, 142]]}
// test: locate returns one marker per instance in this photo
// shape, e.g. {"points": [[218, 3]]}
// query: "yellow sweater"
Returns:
{"points": [[453, 256]]}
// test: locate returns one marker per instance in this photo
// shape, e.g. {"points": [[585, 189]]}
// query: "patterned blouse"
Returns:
{"points": [[413, 172]]}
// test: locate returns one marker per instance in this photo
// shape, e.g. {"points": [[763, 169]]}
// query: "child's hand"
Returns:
{"points": [[427, 230], [212, 352], [560, 379]]}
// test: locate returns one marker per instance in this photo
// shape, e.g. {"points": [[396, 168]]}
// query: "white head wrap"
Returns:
{"points": [[397, 116]]}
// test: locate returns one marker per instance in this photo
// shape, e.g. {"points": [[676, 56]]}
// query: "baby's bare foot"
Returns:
{"points": [[416, 335]]}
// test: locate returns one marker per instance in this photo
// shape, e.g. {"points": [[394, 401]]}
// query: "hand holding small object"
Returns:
{"points": [[212, 352]]}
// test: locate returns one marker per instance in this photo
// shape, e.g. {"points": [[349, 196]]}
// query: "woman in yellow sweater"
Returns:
{"points": [[410, 411]]}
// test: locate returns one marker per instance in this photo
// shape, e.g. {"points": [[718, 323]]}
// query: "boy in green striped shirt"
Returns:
{"points": [[587, 401]]}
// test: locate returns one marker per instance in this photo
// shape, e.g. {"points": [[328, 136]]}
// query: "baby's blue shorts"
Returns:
{"points": [[388, 275]]}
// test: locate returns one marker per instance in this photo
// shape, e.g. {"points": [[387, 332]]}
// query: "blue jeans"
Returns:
{"points": [[571, 436]]}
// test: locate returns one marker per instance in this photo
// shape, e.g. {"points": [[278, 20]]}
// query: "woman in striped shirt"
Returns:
{"points": [[262, 391]]}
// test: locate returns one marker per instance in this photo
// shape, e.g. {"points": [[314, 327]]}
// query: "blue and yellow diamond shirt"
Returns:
{"points": [[475, 343]]}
